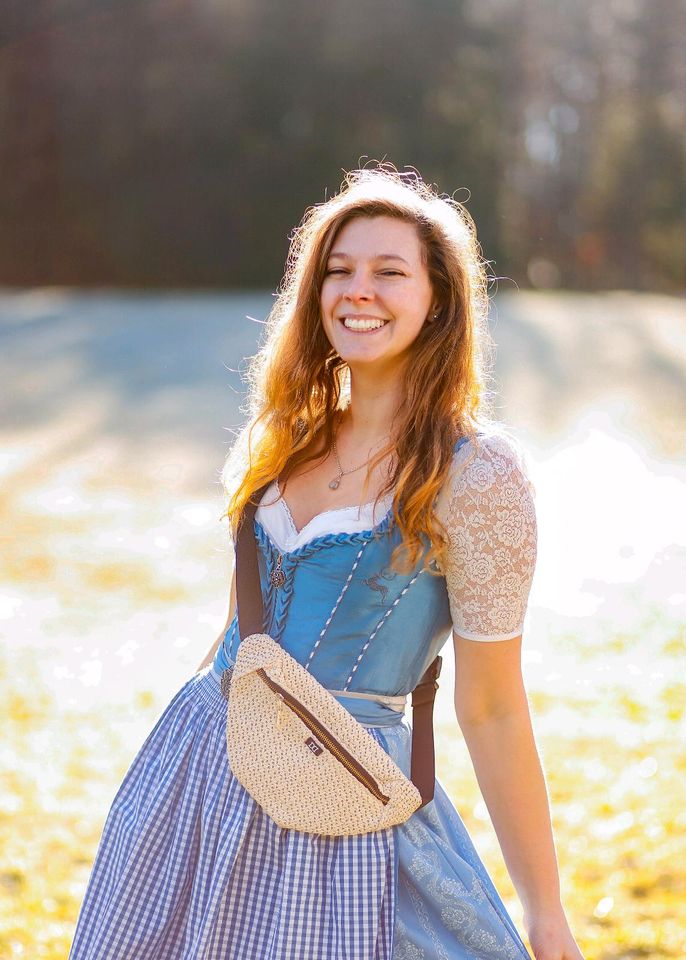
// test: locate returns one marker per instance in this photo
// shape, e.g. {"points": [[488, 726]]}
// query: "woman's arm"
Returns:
{"points": [[232, 609], [493, 713]]}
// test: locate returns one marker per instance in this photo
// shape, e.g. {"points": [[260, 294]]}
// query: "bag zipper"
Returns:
{"points": [[332, 745]]}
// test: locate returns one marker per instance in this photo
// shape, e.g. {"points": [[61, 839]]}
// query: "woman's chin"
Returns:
{"points": [[368, 360]]}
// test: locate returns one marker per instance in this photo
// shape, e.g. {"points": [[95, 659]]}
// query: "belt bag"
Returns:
{"points": [[298, 752]]}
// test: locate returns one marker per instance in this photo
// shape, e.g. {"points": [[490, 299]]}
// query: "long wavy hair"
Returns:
{"points": [[297, 382]]}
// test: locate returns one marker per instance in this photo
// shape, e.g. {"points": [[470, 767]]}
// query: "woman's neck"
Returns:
{"points": [[373, 406]]}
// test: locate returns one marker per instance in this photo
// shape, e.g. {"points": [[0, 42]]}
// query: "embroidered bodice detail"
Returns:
{"points": [[283, 546], [276, 599], [278, 594], [488, 509]]}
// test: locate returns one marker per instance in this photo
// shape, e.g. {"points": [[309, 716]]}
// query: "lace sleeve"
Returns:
{"points": [[489, 513]]}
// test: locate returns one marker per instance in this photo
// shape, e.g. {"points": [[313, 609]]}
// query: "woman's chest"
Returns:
{"points": [[275, 516], [311, 491]]}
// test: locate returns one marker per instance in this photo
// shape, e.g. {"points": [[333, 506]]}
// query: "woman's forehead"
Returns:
{"points": [[379, 237]]}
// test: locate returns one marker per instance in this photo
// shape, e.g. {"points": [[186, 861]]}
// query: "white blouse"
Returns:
{"points": [[487, 507]]}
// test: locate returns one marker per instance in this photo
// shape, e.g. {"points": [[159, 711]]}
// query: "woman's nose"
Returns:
{"points": [[359, 287]]}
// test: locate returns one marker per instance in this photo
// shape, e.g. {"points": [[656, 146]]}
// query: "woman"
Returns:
{"points": [[367, 416]]}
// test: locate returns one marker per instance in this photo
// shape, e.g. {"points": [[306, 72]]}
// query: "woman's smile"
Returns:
{"points": [[363, 323]]}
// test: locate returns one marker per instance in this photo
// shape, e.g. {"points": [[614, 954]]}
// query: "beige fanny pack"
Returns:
{"points": [[300, 753]]}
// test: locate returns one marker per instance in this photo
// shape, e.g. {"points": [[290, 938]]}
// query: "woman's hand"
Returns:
{"points": [[550, 936]]}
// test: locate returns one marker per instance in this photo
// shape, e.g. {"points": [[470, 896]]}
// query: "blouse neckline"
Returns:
{"points": [[353, 520], [360, 508]]}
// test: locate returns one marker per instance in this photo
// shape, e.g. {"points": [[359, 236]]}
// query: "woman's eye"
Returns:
{"points": [[383, 273]]}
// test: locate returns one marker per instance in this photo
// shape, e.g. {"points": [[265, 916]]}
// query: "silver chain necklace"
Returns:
{"points": [[336, 482]]}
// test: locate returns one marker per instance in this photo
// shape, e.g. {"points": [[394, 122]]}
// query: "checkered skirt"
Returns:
{"points": [[190, 868]]}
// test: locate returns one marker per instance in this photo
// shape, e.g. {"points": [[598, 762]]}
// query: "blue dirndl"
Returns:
{"points": [[190, 868]]}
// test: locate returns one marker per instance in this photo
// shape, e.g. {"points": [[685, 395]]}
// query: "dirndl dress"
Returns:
{"points": [[189, 867]]}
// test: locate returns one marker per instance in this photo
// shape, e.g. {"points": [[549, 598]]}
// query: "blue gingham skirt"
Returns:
{"points": [[189, 867]]}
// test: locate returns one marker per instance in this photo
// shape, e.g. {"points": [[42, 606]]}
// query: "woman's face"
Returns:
{"points": [[376, 293]]}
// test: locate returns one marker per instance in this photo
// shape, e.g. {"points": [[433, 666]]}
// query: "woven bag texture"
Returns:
{"points": [[287, 769]]}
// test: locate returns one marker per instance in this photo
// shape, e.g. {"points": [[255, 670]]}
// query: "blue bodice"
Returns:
{"points": [[407, 616], [375, 630]]}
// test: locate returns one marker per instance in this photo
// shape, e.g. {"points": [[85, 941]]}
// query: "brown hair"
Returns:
{"points": [[297, 381]]}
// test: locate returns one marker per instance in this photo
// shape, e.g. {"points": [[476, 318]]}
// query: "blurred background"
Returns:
{"points": [[154, 157]]}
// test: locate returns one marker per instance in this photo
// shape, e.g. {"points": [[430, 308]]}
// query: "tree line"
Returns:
{"points": [[177, 143]]}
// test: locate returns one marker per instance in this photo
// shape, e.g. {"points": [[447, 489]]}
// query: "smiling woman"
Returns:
{"points": [[401, 294], [388, 513]]}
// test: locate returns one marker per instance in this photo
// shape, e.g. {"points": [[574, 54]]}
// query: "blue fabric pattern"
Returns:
{"points": [[189, 867]]}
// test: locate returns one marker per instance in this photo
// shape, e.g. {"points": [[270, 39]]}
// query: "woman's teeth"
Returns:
{"points": [[353, 323]]}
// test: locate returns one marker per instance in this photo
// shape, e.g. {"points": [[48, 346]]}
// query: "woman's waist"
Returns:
{"points": [[369, 709]]}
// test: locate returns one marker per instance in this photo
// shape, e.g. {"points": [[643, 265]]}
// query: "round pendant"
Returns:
{"points": [[278, 577], [334, 484]]}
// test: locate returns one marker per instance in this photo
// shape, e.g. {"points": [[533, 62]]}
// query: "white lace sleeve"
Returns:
{"points": [[488, 509]]}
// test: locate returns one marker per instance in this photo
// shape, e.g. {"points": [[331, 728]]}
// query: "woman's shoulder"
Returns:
{"points": [[484, 460], [493, 443]]}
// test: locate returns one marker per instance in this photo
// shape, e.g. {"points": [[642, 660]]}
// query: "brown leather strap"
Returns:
{"points": [[248, 588], [251, 620], [423, 773]]}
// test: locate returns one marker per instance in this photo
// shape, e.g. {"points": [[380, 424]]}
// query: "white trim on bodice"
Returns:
{"points": [[278, 522]]}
